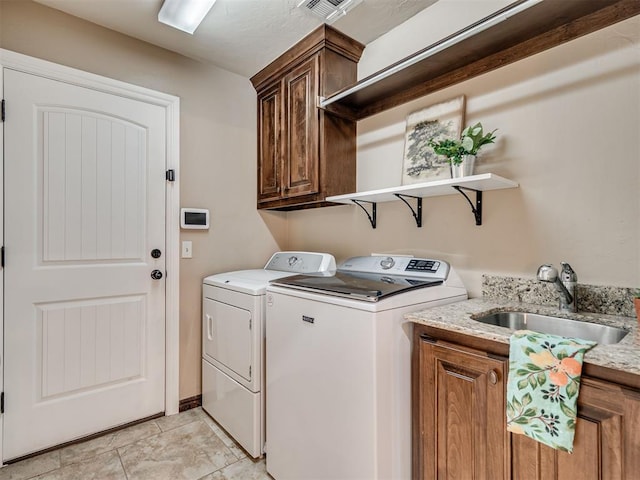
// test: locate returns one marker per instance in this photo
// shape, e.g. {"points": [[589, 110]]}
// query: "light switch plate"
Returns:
{"points": [[187, 249]]}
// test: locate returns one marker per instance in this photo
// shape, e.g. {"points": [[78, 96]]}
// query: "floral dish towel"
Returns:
{"points": [[543, 385]]}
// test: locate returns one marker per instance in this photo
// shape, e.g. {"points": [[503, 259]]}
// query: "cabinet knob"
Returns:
{"points": [[493, 377]]}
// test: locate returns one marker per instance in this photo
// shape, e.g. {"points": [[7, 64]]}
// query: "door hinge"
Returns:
{"points": [[250, 324], [2, 256], [2, 114], [249, 371], [171, 175], [2, 402]]}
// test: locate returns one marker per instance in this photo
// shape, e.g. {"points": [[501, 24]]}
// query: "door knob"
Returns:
{"points": [[156, 253], [156, 274], [493, 377]]}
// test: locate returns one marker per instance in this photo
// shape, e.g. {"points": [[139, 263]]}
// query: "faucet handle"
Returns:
{"points": [[547, 273]]}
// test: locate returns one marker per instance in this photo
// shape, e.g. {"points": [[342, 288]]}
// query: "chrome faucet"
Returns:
{"points": [[565, 284]]}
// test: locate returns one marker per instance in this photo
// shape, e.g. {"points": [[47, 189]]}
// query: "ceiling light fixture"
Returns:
{"points": [[184, 15]]}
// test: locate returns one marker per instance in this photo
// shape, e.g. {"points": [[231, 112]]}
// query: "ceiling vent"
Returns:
{"points": [[328, 10]]}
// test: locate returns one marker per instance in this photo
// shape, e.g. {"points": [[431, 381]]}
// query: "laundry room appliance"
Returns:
{"points": [[233, 343], [338, 367]]}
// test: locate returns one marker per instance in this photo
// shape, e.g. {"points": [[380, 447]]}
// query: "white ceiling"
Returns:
{"points": [[241, 36]]}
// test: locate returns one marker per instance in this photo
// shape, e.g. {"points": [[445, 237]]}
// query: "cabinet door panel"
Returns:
{"points": [[301, 157], [605, 413], [586, 453], [270, 143], [456, 419], [530, 460], [462, 425]]}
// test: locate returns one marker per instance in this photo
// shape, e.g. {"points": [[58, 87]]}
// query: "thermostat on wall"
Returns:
{"points": [[194, 218]]}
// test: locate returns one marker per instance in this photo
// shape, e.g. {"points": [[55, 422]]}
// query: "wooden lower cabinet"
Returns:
{"points": [[459, 423]]}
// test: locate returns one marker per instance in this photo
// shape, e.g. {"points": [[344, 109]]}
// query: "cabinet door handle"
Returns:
{"points": [[493, 377]]}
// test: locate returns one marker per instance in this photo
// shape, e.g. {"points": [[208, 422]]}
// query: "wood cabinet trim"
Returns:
{"points": [[323, 37]]}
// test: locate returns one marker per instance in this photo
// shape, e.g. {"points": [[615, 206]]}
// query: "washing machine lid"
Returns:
{"points": [[373, 278], [369, 287]]}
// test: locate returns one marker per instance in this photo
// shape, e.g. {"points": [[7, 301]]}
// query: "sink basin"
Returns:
{"points": [[603, 334]]}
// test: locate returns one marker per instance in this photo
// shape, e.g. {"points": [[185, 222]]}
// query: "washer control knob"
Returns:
{"points": [[387, 262], [293, 260]]}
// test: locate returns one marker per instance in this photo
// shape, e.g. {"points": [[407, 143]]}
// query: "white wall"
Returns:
{"points": [[434, 23], [568, 131]]}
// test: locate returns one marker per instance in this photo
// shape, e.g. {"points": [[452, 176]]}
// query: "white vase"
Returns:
{"points": [[464, 169]]}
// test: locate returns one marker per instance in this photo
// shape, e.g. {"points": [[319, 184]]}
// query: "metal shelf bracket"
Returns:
{"points": [[477, 209], [417, 212], [371, 216]]}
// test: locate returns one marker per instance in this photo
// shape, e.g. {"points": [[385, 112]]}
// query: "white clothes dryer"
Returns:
{"points": [[233, 309]]}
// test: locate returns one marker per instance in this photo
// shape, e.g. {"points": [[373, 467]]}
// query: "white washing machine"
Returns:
{"points": [[233, 343], [339, 367]]}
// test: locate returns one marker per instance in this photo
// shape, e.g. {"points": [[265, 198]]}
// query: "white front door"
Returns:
{"points": [[84, 208]]}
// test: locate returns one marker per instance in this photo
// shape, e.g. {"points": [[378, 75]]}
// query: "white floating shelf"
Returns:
{"points": [[482, 182], [451, 186]]}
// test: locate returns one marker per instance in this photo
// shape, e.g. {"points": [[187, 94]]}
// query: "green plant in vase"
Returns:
{"points": [[471, 140]]}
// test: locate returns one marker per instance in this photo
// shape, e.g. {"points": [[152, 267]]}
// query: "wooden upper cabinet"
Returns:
{"points": [[304, 153]]}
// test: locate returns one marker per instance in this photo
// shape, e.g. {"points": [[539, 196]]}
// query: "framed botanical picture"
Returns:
{"points": [[437, 122]]}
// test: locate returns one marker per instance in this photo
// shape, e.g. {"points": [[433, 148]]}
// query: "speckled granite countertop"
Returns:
{"points": [[623, 356]]}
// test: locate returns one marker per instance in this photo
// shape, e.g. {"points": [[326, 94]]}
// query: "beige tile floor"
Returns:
{"points": [[189, 445]]}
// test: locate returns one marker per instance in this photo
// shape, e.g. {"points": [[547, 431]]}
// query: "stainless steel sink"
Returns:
{"points": [[603, 334]]}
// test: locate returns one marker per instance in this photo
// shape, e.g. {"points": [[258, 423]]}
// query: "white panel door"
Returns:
{"points": [[85, 205]]}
